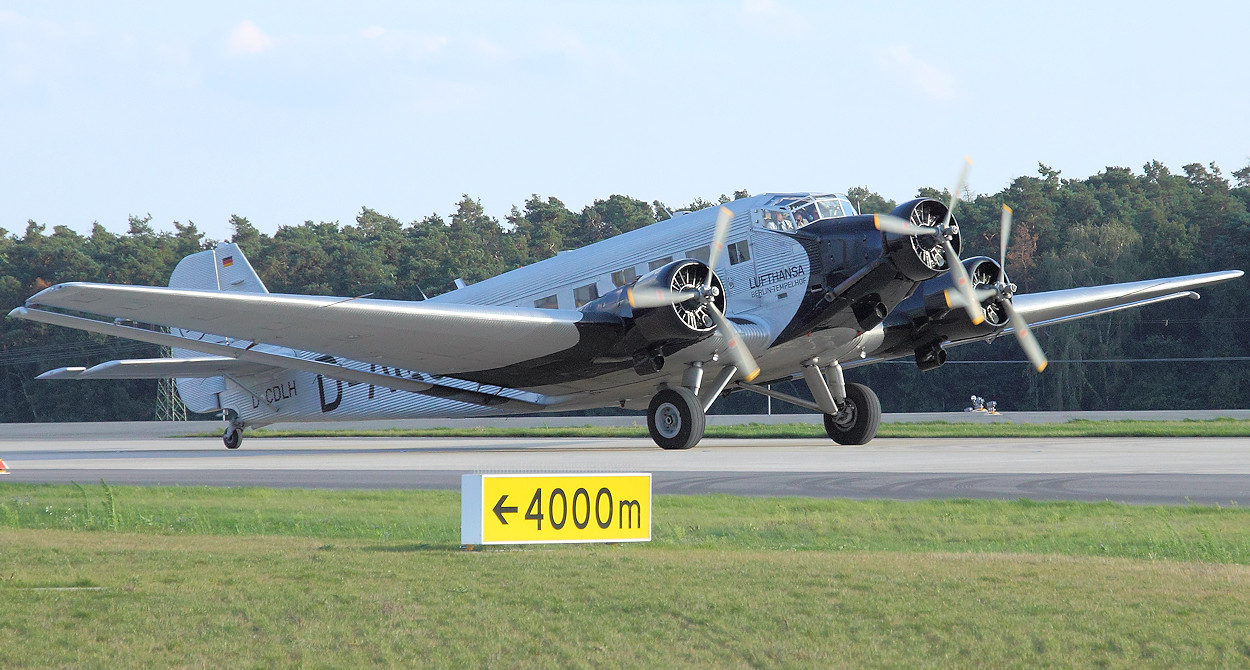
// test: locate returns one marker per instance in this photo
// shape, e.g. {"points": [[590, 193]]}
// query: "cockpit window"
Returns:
{"points": [[829, 208], [790, 212], [776, 219], [783, 200], [806, 214]]}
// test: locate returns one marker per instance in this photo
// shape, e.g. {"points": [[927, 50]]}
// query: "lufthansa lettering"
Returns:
{"points": [[776, 275]]}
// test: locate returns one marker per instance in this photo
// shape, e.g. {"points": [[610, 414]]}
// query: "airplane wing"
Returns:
{"points": [[438, 338], [916, 326], [162, 368], [1051, 307]]}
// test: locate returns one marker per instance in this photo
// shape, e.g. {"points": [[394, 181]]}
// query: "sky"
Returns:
{"points": [[284, 112]]}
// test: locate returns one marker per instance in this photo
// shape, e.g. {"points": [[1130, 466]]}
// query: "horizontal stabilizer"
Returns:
{"points": [[162, 368]]}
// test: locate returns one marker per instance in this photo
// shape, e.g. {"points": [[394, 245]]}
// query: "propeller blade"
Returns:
{"points": [[893, 224], [658, 297], [959, 187], [955, 299], [1027, 342], [1004, 232], [737, 351], [963, 284], [723, 219]]}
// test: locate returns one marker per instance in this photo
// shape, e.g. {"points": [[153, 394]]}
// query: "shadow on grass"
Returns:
{"points": [[421, 546]]}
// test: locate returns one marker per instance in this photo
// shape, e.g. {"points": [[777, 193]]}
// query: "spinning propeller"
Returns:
{"points": [[1005, 290], [965, 295], [705, 294]]}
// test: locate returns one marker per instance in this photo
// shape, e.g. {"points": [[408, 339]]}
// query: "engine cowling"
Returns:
{"points": [[652, 332], [921, 257], [925, 320]]}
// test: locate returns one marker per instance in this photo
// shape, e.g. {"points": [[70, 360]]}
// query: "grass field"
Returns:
{"points": [[1074, 428], [247, 577]]}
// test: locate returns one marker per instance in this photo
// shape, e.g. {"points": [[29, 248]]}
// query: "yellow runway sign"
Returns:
{"points": [[534, 509]]}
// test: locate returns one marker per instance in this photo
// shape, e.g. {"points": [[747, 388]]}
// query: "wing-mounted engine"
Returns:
{"points": [[862, 268], [933, 315], [667, 323]]}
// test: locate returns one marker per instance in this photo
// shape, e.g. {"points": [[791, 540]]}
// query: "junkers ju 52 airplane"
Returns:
{"points": [[665, 318]]}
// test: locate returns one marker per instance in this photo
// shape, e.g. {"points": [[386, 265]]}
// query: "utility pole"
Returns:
{"points": [[169, 406]]}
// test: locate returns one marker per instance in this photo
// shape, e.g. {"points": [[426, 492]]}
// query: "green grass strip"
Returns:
{"points": [[96, 575], [431, 519]]}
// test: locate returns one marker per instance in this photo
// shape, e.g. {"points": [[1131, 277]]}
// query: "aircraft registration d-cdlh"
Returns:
{"points": [[666, 318]]}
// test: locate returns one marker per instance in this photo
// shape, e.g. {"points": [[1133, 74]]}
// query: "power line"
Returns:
{"points": [[80, 351], [1202, 359]]}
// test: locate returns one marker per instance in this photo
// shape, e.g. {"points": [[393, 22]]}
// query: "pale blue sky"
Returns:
{"points": [[286, 111]]}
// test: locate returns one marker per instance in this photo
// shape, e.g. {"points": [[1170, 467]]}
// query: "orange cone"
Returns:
{"points": [[4, 469]]}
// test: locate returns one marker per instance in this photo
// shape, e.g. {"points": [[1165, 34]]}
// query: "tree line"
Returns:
{"points": [[1117, 225]]}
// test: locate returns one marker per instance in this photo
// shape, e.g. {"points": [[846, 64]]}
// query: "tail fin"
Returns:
{"points": [[224, 268]]}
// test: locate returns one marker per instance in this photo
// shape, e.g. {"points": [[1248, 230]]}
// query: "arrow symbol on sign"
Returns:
{"points": [[499, 509]]}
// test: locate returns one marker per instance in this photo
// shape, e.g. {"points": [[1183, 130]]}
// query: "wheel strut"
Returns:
{"points": [[233, 437]]}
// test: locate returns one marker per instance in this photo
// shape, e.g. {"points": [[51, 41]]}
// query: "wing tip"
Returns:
{"points": [[62, 373]]}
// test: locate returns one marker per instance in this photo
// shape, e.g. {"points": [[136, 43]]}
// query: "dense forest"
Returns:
{"points": [[1118, 225]]}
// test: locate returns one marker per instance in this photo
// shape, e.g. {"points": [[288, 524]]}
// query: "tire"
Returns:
{"points": [[857, 423], [233, 437], [675, 418]]}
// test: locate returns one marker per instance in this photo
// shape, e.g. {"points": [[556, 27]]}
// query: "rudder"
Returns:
{"points": [[223, 268]]}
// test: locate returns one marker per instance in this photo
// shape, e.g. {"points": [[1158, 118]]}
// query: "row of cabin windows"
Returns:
{"points": [[739, 252]]}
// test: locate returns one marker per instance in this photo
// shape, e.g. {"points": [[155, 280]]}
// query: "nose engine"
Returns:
{"points": [[921, 257], [860, 272]]}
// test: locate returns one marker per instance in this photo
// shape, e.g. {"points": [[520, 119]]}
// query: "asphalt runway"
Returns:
{"points": [[1134, 470]]}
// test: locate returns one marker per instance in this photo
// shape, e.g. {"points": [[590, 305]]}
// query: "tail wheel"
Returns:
{"points": [[675, 418], [859, 418]]}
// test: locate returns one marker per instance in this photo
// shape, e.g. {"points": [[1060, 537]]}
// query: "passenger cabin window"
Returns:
{"points": [[584, 294], [739, 252], [623, 277], [549, 302], [703, 253], [659, 263]]}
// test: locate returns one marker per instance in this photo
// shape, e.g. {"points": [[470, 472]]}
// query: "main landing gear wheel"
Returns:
{"points": [[233, 436], [859, 418], [675, 418]]}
